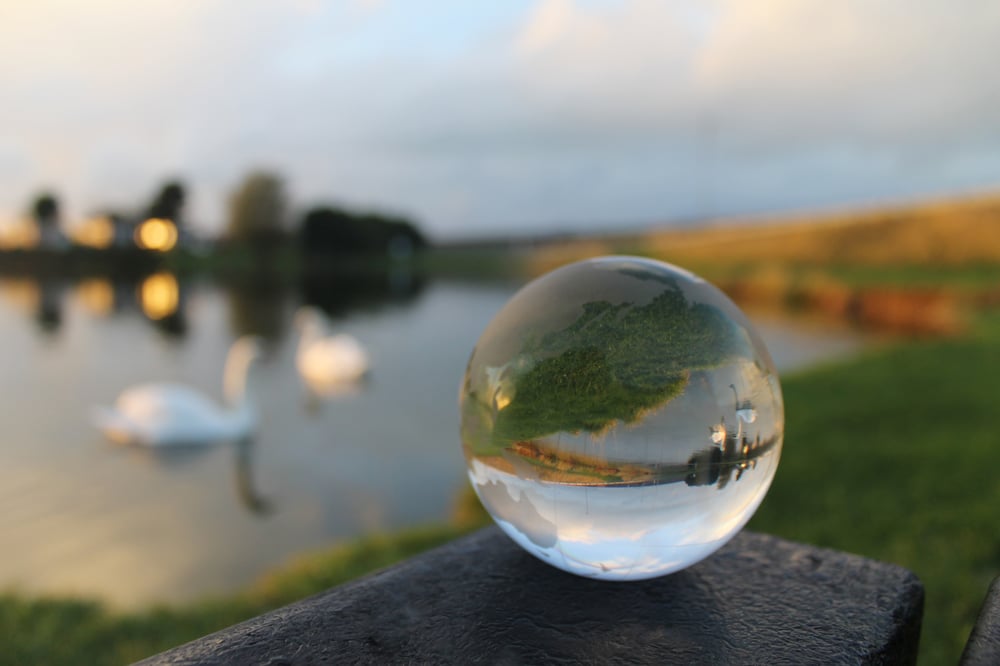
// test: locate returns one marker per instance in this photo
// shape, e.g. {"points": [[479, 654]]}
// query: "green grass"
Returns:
{"points": [[961, 278], [894, 456], [971, 277], [66, 631], [614, 362]]}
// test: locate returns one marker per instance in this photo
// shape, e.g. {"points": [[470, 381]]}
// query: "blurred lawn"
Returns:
{"points": [[61, 631], [890, 455], [894, 456]]}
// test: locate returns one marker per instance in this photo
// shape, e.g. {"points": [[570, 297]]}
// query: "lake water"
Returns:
{"points": [[79, 515]]}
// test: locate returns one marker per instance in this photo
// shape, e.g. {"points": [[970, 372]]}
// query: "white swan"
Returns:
{"points": [[328, 364], [164, 414]]}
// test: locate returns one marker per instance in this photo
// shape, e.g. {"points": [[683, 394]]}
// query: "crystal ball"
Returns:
{"points": [[621, 419]]}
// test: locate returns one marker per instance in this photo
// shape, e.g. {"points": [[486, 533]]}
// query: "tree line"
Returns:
{"points": [[258, 217]]}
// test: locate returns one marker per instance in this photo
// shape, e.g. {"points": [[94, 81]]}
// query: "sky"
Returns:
{"points": [[489, 118]]}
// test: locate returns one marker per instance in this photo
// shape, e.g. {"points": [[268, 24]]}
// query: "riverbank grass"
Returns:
{"points": [[66, 631], [893, 456]]}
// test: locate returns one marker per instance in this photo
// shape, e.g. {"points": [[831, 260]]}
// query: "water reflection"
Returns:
{"points": [[159, 296], [48, 314], [40, 299], [246, 487], [260, 307], [174, 459], [163, 301], [102, 297], [97, 296], [340, 295], [89, 517]]}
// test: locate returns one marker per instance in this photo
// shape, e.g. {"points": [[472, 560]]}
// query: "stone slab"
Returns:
{"points": [[481, 599], [983, 648]]}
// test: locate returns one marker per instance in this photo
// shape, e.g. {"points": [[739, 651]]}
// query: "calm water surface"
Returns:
{"points": [[82, 516]]}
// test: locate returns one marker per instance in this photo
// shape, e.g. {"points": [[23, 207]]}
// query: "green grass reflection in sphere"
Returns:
{"points": [[621, 418]]}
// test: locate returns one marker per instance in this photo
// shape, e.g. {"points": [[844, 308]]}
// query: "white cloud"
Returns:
{"points": [[504, 116], [852, 71]]}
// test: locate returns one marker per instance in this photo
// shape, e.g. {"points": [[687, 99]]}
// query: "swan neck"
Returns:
{"points": [[311, 332], [234, 380]]}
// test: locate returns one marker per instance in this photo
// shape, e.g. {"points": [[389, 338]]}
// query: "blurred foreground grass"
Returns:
{"points": [[65, 631], [891, 455]]}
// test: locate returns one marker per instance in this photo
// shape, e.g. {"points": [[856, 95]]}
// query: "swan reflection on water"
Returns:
{"points": [[246, 487], [244, 481]]}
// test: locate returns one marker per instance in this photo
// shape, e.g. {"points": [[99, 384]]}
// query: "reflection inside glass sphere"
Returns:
{"points": [[621, 419]]}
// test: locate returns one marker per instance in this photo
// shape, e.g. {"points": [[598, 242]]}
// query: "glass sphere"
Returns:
{"points": [[621, 418]]}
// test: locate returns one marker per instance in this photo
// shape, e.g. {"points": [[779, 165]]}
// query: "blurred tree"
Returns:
{"points": [[45, 211], [169, 203], [257, 211], [329, 230], [50, 302], [259, 306], [45, 208]]}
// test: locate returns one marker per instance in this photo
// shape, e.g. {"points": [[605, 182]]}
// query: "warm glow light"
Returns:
{"points": [[97, 296], [159, 295], [97, 232], [22, 293], [156, 234], [19, 235], [502, 400]]}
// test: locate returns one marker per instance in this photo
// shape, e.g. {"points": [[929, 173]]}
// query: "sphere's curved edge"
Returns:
{"points": [[621, 418]]}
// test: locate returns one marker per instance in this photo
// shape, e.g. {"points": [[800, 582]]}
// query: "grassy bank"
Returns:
{"points": [[893, 456], [64, 631], [947, 234]]}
